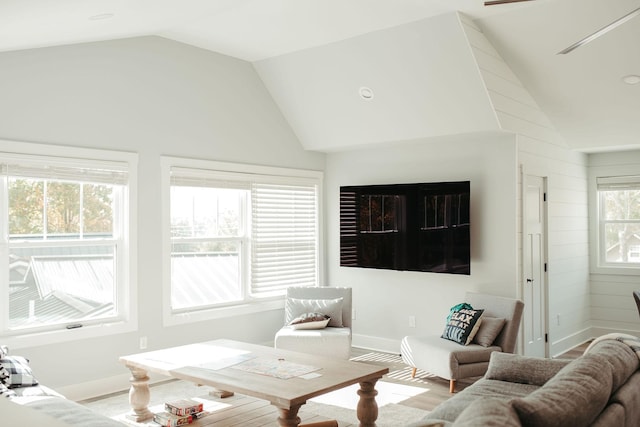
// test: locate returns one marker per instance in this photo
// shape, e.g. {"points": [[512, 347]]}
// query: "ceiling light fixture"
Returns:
{"points": [[631, 79], [366, 93], [101, 16]]}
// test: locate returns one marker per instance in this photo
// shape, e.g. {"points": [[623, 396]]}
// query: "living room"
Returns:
{"points": [[156, 97]]}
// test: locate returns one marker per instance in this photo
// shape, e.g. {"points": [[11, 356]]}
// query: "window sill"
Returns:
{"points": [[32, 339], [615, 270], [173, 319]]}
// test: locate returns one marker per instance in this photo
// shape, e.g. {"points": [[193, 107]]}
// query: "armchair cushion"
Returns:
{"points": [[295, 307]]}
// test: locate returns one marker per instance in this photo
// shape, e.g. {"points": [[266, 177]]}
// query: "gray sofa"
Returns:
{"points": [[24, 398], [600, 388], [40, 400]]}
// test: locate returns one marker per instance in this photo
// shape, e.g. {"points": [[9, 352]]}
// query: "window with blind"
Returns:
{"points": [[239, 235], [619, 221], [64, 232]]}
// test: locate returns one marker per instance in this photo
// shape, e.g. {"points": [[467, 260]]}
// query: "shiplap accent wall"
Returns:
{"points": [[612, 305], [541, 151]]}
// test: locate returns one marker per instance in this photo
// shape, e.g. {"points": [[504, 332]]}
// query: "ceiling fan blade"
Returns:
{"points": [[495, 2], [601, 31]]}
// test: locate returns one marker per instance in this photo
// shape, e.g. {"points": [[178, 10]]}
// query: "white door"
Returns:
{"points": [[534, 258]]}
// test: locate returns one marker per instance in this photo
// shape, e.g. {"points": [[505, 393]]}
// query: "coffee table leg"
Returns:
{"points": [[289, 417], [139, 395], [367, 406]]}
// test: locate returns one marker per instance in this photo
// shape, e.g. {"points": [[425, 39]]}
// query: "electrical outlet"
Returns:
{"points": [[558, 319], [412, 321], [143, 343], [353, 314]]}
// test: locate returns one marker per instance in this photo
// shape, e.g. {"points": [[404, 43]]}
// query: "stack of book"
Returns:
{"points": [[179, 413]]}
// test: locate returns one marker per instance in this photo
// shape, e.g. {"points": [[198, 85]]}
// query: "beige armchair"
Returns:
{"points": [[453, 361], [333, 340]]}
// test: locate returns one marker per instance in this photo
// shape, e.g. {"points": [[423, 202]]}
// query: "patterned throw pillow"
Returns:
{"points": [[20, 374], [310, 321], [462, 325], [5, 378]]}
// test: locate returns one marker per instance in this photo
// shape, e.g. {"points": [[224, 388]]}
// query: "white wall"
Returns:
{"points": [[384, 299], [151, 96], [542, 152], [613, 308]]}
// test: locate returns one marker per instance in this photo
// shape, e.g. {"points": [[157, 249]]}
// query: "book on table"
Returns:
{"points": [[167, 419], [183, 407]]}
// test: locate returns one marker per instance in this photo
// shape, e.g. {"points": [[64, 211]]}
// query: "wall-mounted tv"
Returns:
{"points": [[415, 227]]}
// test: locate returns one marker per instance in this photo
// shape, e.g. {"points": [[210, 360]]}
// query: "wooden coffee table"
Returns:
{"points": [[285, 378]]}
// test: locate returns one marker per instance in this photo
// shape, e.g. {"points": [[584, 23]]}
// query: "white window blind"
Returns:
{"points": [[618, 183], [58, 169], [284, 236]]}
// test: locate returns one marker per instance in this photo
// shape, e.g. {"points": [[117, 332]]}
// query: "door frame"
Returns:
{"points": [[545, 248]]}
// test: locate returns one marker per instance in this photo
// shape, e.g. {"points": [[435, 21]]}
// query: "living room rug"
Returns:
{"points": [[339, 405]]}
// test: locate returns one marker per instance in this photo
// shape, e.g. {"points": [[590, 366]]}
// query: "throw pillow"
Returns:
{"points": [[295, 307], [310, 321], [573, 397], [489, 330], [462, 325], [515, 368], [20, 374]]}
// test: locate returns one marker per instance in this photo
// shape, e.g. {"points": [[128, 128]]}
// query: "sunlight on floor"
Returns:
{"points": [[387, 393]]}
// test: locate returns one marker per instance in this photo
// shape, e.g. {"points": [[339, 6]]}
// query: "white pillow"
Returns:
{"points": [[295, 307]]}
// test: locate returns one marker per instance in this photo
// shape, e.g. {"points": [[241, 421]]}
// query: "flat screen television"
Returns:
{"points": [[414, 227]]}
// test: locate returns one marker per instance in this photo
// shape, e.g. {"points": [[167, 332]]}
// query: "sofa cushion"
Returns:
{"points": [[587, 381], [482, 389], [490, 412], [295, 307], [462, 325], [70, 412], [490, 328], [522, 369], [623, 359], [628, 397]]}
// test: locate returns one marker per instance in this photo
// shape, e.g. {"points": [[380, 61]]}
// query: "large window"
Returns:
{"points": [[65, 242], [619, 221], [238, 234]]}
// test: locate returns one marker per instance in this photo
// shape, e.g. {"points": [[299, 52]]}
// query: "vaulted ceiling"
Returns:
{"points": [[582, 92]]}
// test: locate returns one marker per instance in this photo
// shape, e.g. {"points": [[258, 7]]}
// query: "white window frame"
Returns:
{"points": [[127, 319], [234, 170], [606, 175]]}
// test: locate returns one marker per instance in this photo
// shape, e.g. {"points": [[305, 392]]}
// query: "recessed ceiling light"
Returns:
{"points": [[631, 79], [366, 93], [101, 16]]}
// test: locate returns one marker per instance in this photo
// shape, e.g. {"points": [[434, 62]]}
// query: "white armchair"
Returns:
{"points": [[333, 340]]}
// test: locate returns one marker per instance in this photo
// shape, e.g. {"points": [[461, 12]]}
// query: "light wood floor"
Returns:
{"points": [[438, 387], [245, 411]]}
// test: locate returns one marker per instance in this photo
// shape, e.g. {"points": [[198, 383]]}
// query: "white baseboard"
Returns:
{"points": [[102, 387], [567, 343], [376, 343]]}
